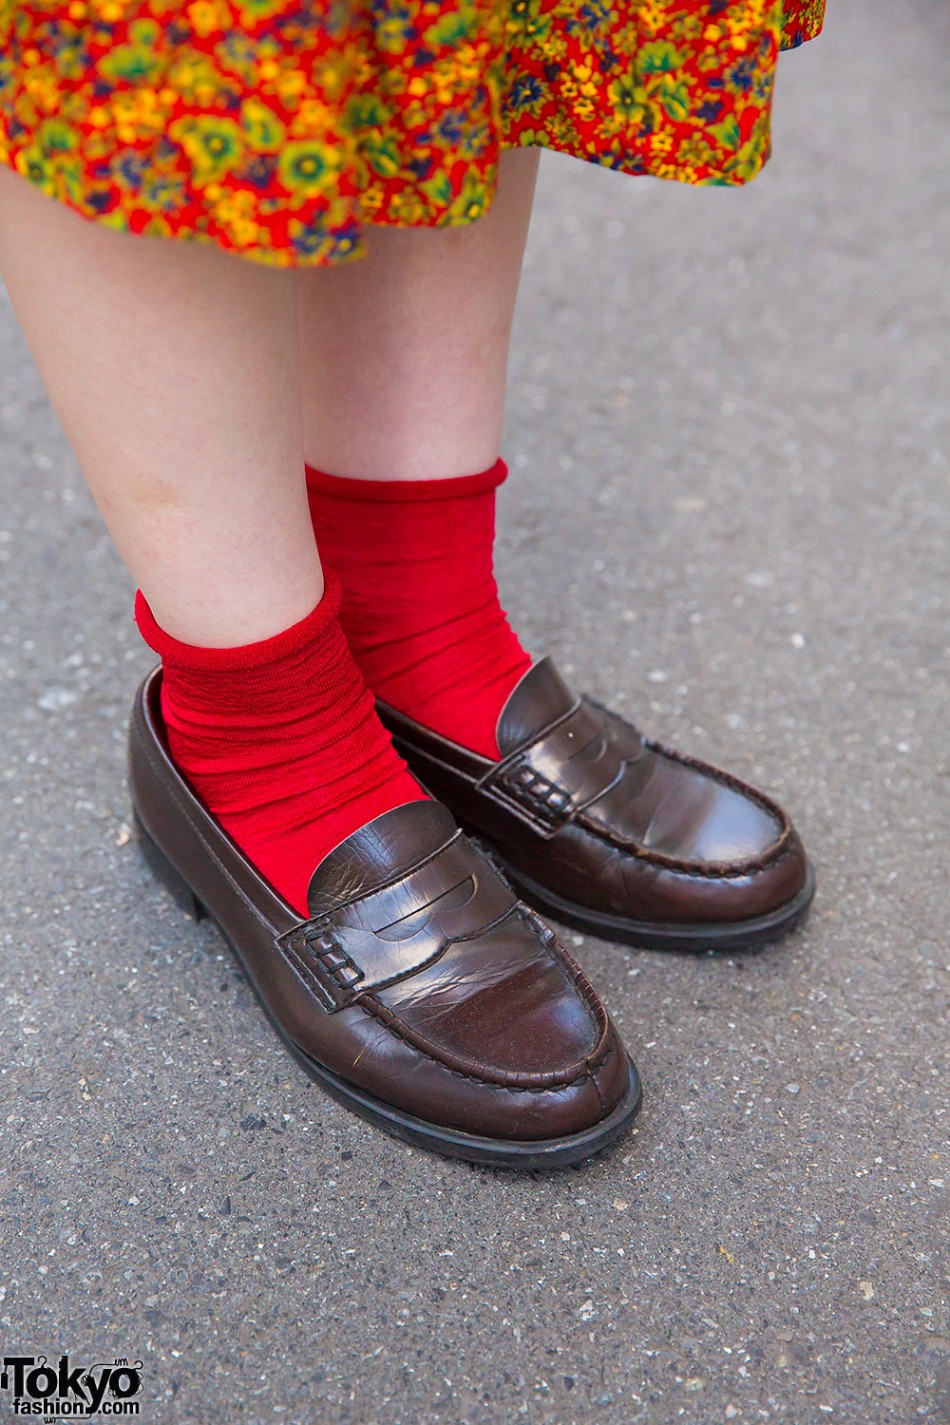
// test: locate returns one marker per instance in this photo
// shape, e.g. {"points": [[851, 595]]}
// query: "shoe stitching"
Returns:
{"points": [[718, 774], [724, 871], [707, 870], [572, 972], [398, 976], [483, 929]]}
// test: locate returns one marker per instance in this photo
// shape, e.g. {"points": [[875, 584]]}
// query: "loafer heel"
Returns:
{"points": [[163, 871]]}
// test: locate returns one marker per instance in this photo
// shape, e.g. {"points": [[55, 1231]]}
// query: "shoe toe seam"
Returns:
{"points": [[512, 1081], [780, 851], [774, 853], [728, 779], [577, 983]]}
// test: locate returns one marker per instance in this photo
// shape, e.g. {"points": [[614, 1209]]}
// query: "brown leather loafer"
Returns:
{"points": [[421, 992], [613, 834]]}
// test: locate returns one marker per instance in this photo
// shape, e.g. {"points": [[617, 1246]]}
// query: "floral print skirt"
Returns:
{"points": [[279, 128]]}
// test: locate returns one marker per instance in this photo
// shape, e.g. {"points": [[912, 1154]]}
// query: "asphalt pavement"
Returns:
{"points": [[728, 437]]}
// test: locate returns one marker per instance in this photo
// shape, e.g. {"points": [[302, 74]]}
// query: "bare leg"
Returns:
{"points": [[174, 371], [405, 353]]}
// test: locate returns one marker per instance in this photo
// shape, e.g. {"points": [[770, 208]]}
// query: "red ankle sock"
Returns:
{"points": [[280, 740], [420, 603]]}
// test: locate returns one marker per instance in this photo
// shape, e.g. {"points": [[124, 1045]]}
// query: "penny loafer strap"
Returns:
{"points": [[566, 768], [399, 929]]}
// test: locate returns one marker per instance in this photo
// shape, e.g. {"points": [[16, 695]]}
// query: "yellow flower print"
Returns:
{"points": [[696, 151], [43, 90], [207, 16], [410, 208], [686, 30], [652, 17], [198, 80], [372, 202], [471, 202], [111, 11], [290, 85], [537, 138], [236, 212], [137, 111], [333, 76]]}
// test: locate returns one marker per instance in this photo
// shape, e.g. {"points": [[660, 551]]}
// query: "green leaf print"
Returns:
{"points": [[674, 97], [747, 162], [727, 132], [139, 58], [659, 57], [438, 189], [450, 29], [383, 156]]}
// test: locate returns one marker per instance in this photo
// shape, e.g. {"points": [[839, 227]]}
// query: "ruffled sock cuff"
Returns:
{"points": [[174, 653]]}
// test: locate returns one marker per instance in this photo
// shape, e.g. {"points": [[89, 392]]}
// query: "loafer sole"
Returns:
{"points": [[720, 937], [521, 1154]]}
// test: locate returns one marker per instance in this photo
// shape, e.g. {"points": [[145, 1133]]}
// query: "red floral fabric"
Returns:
{"points": [[278, 128]]}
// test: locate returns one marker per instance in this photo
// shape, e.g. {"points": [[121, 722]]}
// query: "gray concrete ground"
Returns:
{"points": [[728, 436]]}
